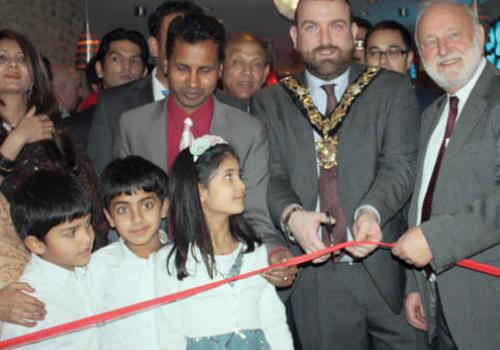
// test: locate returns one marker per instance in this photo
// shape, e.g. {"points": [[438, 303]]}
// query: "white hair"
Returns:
{"points": [[428, 4]]}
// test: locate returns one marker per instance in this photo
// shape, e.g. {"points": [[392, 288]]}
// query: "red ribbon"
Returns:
{"points": [[127, 310]]}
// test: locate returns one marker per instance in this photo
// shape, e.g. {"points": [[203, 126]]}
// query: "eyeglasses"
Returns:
{"points": [[391, 54]]}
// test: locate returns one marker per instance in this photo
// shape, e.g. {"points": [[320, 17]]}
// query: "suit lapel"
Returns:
{"points": [[158, 136], [219, 120], [305, 145], [428, 126], [469, 117]]}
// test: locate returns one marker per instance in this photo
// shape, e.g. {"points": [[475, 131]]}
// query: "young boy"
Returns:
{"points": [[51, 213], [134, 195]]}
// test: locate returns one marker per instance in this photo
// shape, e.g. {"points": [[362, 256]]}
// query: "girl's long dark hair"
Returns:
{"points": [[60, 148], [186, 213]]}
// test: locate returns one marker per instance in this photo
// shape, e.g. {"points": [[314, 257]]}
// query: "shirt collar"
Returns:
{"points": [[175, 111], [341, 82], [158, 87], [55, 273], [129, 255]]}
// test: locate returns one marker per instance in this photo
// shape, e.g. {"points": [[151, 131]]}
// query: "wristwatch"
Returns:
{"points": [[286, 219]]}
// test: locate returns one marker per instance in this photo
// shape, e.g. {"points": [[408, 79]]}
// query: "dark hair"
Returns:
{"points": [[181, 7], [121, 34], [60, 148], [126, 175], [391, 25], [296, 13], [186, 212], [194, 29], [41, 95], [46, 199], [361, 22]]}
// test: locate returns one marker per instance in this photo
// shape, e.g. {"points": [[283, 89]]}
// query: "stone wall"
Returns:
{"points": [[52, 25]]}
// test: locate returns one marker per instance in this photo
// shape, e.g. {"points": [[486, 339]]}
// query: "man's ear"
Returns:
{"points": [[164, 67], [164, 208], [354, 31], [108, 216], [409, 60], [221, 67], [267, 68], [293, 35], [154, 47], [98, 70], [34, 245]]}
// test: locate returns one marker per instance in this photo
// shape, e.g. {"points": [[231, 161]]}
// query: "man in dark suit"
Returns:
{"points": [[154, 87], [456, 202], [122, 57], [350, 304], [156, 131]]}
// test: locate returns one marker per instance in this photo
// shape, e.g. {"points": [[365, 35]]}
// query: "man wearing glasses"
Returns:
{"points": [[389, 45]]}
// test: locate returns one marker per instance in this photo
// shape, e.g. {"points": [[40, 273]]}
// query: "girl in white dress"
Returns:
{"points": [[213, 241]]}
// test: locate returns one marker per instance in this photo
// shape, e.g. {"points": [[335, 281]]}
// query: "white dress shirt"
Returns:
{"points": [[249, 304], [68, 296], [121, 278], [436, 139], [158, 87]]}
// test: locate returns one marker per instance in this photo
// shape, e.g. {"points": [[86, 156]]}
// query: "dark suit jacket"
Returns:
{"points": [[79, 125], [143, 131], [224, 97], [112, 103], [465, 216], [377, 151]]}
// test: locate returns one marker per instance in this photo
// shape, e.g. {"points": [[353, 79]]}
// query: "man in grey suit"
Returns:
{"points": [[195, 51], [456, 203], [154, 87], [352, 303]]}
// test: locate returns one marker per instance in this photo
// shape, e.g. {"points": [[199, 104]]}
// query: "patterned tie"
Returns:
{"points": [[328, 194], [187, 136], [331, 101], [452, 117]]}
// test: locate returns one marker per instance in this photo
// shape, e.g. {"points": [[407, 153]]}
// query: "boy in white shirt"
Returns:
{"points": [[51, 213], [134, 195]]}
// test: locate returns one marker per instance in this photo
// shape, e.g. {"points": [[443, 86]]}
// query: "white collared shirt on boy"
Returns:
{"points": [[121, 278], [68, 296]]}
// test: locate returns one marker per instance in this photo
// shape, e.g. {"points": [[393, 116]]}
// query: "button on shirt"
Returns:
{"points": [[121, 278], [68, 296], [437, 135]]}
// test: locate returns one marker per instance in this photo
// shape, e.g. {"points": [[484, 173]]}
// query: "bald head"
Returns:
{"points": [[245, 66]]}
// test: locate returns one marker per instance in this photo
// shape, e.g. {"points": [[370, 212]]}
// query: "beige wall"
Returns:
{"points": [[52, 25]]}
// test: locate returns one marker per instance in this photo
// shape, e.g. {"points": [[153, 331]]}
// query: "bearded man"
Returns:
{"points": [[355, 169], [455, 206]]}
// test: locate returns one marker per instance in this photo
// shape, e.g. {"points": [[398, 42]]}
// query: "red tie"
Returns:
{"points": [[452, 117], [328, 194]]}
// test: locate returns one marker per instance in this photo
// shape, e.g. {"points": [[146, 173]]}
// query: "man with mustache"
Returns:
{"points": [[456, 201], [345, 302], [159, 131]]}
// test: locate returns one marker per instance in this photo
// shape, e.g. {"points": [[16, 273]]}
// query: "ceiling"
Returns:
{"points": [[257, 16]]}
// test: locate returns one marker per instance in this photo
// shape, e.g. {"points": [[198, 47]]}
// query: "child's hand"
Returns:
{"points": [[18, 307], [281, 276]]}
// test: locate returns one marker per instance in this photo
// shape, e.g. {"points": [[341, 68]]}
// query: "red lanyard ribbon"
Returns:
{"points": [[127, 310]]}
